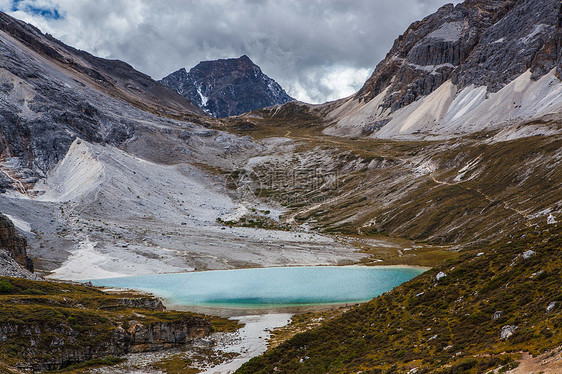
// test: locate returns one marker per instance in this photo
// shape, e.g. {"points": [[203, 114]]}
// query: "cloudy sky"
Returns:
{"points": [[318, 50]]}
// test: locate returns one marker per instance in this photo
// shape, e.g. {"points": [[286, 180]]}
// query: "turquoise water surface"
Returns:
{"points": [[263, 287]]}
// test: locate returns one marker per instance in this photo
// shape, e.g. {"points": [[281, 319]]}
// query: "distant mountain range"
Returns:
{"points": [[227, 87]]}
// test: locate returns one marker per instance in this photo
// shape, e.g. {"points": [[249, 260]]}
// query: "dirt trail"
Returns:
{"points": [[486, 197], [547, 363]]}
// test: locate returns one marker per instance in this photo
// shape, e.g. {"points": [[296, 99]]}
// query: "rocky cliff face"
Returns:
{"points": [[49, 325], [437, 78], [476, 42], [13, 243], [68, 345], [228, 87], [161, 335]]}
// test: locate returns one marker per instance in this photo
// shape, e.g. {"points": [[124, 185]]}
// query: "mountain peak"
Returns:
{"points": [[227, 87]]}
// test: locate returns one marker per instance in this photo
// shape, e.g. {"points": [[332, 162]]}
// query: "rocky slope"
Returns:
{"points": [[113, 77], [10, 268], [227, 87], [111, 184], [476, 65], [53, 93]]}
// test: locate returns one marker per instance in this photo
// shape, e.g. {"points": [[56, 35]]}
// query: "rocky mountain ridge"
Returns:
{"points": [[117, 78], [440, 72], [53, 93], [476, 42], [227, 87]]}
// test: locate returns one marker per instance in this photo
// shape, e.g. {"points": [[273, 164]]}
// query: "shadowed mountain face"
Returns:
{"points": [[117, 78], [225, 88]]}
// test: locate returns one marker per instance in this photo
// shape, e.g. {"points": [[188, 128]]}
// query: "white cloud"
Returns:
{"points": [[344, 81], [327, 83], [317, 50]]}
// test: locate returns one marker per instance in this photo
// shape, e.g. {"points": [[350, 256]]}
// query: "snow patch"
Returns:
{"points": [[431, 68], [204, 99]]}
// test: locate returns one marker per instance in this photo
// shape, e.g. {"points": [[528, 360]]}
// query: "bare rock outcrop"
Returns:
{"points": [[14, 244], [52, 347], [476, 42]]}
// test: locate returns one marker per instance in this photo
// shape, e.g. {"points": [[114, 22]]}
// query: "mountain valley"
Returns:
{"points": [[449, 157]]}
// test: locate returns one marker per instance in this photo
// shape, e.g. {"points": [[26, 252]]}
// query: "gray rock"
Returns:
{"points": [[48, 102], [498, 314], [140, 302], [64, 350], [10, 268], [14, 244], [65, 94], [507, 331], [551, 306]]}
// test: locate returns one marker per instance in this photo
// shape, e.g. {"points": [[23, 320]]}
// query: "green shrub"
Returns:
{"points": [[6, 287]]}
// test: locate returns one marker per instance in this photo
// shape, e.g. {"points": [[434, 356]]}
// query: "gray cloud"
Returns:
{"points": [[317, 50]]}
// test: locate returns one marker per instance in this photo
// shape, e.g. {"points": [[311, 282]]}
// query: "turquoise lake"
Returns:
{"points": [[269, 287]]}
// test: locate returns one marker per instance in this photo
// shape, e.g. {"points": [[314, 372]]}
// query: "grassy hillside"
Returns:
{"points": [[444, 324], [460, 190]]}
